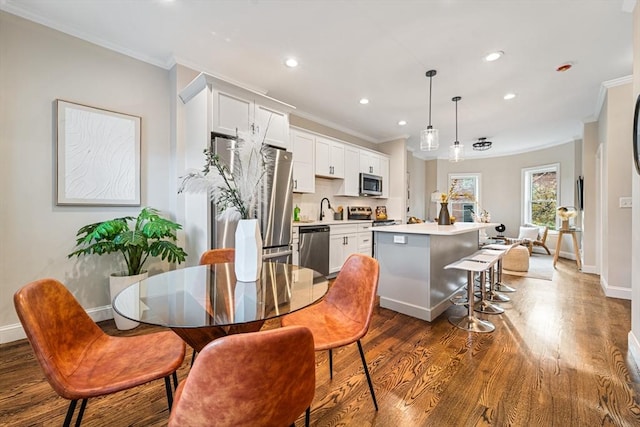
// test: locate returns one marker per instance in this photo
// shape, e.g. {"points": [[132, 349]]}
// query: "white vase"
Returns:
{"points": [[117, 282], [248, 257]]}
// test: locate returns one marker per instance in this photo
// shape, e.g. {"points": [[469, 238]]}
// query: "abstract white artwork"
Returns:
{"points": [[98, 156]]}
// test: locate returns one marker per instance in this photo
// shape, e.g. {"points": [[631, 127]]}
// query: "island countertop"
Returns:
{"points": [[433, 228]]}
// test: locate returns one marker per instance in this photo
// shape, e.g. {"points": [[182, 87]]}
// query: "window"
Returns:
{"points": [[541, 194], [466, 196]]}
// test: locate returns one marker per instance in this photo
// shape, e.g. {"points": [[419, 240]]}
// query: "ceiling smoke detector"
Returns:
{"points": [[482, 144]]}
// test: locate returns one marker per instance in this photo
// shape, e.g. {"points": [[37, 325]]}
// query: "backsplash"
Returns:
{"points": [[309, 203]]}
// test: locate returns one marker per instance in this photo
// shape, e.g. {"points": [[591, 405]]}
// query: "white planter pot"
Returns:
{"points": [[117, 282], [248, 257]]}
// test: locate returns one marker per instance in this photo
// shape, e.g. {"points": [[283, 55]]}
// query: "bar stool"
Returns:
{"points": [[470, 322], [486, 305], [499, 285]]}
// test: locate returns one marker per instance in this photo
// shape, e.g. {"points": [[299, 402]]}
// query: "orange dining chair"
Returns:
{"points": [[253, 379], [79, 360], [344, 315], [218, 256]]}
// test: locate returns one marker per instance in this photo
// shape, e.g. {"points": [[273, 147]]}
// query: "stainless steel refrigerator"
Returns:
{"points": [[274, 210]]}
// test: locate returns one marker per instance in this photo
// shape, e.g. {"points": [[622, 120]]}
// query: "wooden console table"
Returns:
{"points": [[576, 250]]}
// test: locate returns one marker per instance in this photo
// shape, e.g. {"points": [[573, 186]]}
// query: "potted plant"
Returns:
{"points": [[137, 239]]}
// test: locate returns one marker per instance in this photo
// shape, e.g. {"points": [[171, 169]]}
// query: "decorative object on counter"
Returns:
{"points": [[456, 151], [429, 136], [381, 212], [452, 219], [152, 235], [565, 213], [296, 213], [444, 218], [483, 216], [414, 220], [235, 192], [338, 215], [500, 229]]}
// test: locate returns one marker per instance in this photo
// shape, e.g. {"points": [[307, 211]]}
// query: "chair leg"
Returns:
{"points": [[330, 364], [193, 357], [83, 406], [167, 386], [366, 371], [70, 411], [175, 379], [307, 416]]}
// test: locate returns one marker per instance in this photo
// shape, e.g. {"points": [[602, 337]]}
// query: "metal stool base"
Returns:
{"points": [[487, 308], [472, 324], [496, 297], [501, 287]]}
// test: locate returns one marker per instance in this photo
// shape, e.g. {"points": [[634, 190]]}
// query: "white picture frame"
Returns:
{"points": [[98, 156]]}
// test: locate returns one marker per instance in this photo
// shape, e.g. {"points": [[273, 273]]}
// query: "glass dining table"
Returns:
{"points": [[206, 302]]}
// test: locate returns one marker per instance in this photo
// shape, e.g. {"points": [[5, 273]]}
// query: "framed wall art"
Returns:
{"points": [[98, 156], [636, 135]]}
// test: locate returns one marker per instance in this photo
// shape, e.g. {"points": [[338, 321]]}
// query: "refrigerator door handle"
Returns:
{"points": [[276, 255]]}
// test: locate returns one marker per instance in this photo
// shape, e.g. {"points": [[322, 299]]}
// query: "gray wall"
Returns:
{"points": [[37, 66], [501, 181]]}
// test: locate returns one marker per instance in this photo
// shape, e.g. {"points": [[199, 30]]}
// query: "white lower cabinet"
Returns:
{"points": [[365, 239], [343, 241], [295, 256]]}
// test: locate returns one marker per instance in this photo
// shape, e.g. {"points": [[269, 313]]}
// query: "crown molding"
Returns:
{"points": [[602, 94], [328, 123]]}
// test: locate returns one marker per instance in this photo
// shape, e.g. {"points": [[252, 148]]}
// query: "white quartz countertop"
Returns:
{"points": [[332, 222], [435, 229]]}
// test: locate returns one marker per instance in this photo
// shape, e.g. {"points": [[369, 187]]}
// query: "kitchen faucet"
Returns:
{"points": [[328, 205]]}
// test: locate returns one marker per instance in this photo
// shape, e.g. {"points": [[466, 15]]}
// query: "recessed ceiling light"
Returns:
{"points": [[402, 122], [493, 56], [291, 62], [364, 101], [564, 67], [509, 96]]}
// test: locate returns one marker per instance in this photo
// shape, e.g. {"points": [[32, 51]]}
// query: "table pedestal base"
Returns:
{"points": [[198, 338]]}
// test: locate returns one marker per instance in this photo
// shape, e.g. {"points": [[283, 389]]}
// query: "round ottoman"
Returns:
{"points": [[517, 259]]}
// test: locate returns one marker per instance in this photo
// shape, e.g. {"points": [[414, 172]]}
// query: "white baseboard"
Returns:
{"points": [[615, 291], [591, 269], [15, 332], [567, 255], [634, 348]]}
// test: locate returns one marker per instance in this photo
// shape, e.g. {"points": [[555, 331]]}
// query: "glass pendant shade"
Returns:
{"points": [[429, 136], [429, 139], [456, 152]]}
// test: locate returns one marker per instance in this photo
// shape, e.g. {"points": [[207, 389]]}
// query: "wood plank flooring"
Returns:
{"points": [[558, 357]]}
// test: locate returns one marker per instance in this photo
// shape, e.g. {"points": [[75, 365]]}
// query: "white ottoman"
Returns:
{"points": [[517, 259]]}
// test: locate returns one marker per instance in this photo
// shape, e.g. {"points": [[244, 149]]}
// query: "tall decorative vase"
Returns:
{"points": [[248, 258], [444, 218], [117, 282]]}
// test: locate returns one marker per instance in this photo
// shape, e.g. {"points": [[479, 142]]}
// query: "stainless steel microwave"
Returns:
{"points": [[370, 185]]}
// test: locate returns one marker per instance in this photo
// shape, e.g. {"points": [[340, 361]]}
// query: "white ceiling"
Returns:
{"points": [[381, 49]]}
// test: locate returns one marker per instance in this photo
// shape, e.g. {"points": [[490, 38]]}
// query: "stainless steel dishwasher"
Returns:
{"points": [[314, 248]]}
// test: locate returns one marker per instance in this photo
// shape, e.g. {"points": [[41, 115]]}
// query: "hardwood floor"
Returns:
{"points": [[558, 357]]}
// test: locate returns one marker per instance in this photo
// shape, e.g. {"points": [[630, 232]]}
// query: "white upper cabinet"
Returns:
{"points": [[384, 173], [302, 145], [369, 162], [351, 183], [329, 158], [276, 123]]}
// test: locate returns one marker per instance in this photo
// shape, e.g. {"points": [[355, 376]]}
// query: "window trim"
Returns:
{"points": [[525, 213], [477, 176]]}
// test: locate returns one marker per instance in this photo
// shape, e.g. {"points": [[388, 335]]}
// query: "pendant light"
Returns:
{"points": [[429, 136], [456, 151]]}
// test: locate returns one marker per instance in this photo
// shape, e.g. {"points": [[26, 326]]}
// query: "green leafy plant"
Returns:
{"points": [[152, 235]]}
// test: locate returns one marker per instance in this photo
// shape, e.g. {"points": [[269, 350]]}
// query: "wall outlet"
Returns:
{"points": [[626, 202]]}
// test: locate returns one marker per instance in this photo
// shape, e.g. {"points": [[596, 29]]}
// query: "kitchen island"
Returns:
{"points": [[412, 258]]}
